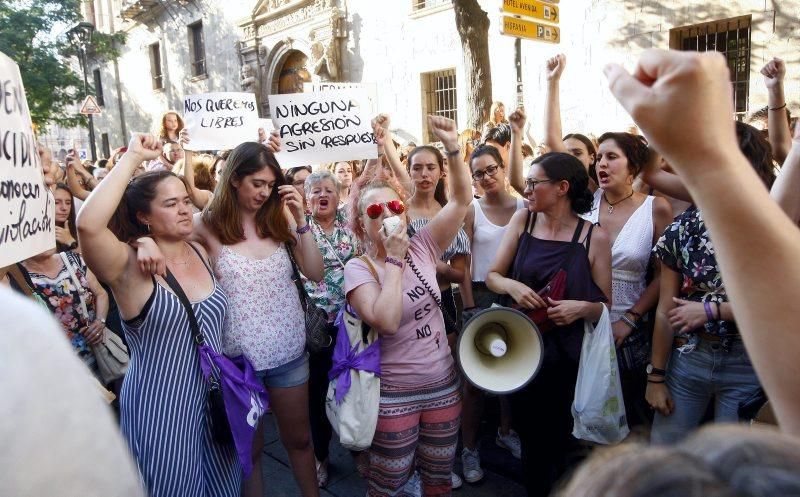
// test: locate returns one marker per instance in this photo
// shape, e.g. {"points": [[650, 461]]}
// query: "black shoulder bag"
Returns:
{"points": [[317, 336]]}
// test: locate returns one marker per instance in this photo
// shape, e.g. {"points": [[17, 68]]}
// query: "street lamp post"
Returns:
{"points": [[81, 35]]}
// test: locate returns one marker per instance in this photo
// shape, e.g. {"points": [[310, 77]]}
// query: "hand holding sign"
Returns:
{"points": [[274, 142]]}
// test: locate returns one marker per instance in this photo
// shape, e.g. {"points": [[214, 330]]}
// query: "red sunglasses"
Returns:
{"points": [[375, 210]]}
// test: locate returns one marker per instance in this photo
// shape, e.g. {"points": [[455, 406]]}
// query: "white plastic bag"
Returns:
{"points": [[598, 409], [355, 418]]}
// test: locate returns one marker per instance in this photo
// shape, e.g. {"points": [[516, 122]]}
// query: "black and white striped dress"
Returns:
{"points": [[163, 402]]}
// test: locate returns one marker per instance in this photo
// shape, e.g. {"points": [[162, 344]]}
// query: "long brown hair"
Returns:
{"points": [[440, 193], [223, 215], [162, 132], [138, 195]]}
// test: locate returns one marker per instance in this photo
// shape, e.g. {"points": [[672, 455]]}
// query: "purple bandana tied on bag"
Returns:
{"points": [[346, 358], [244, 395]]}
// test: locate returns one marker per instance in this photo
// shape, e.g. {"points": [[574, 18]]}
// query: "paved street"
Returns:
{"points": [[500, 467]]}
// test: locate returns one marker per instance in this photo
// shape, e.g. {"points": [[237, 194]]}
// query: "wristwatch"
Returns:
{"points": [[655, 371]]}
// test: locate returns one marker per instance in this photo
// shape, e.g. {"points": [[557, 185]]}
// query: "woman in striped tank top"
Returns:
{"points": [[163, 403], [255, 218]]}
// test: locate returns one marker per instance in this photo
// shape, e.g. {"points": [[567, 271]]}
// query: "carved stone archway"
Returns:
{"points": [[277, 31]]}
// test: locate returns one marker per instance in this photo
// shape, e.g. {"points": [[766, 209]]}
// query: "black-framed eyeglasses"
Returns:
{"points": [[531, 183], [490, 171]]}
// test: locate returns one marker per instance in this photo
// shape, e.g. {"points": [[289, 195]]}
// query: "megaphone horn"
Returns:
{"points": [[500, 350]]}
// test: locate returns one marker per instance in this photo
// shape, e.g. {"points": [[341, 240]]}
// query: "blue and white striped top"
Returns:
{"points": [[460, 243], [164, 400]]}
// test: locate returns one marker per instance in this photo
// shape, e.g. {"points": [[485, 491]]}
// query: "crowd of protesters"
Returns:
{"points": [[672, 230]]}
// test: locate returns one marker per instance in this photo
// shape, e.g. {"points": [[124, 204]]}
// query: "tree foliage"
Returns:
{"points": [[29, 35]]}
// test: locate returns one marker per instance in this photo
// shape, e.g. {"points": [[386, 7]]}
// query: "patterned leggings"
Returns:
{"points": [[421, 422]]}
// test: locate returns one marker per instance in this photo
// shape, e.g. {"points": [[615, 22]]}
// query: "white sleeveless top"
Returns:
{"points": [[486, 238], [265, 320], [630, 255]]}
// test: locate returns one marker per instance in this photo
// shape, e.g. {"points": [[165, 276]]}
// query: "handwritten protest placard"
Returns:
{"points": [[370, 88], [27, 209], [323, 127], [217, 121]]}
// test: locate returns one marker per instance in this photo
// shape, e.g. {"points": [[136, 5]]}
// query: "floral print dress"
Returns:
{"points": [[686, 248], [63, 299], [336, 248]]}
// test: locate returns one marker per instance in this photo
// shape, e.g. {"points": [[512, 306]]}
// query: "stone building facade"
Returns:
{"points": [[410, 53]]}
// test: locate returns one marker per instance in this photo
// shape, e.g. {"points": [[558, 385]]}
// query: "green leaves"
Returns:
{"points": [[33, 34]]}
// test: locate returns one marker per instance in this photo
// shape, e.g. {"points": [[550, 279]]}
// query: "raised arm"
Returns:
{"points": [[445, 224], [780, 137], [200, 198], [756, 244], [553, 69], [104, 253], [785, 189], [75, 183], [380, 126], [306, 251], [517, 121]]}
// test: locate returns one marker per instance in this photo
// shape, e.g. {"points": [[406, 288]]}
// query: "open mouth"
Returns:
{"points": [[602, 176], [324, 202]]}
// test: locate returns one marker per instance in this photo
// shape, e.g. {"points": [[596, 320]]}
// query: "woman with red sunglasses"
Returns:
{"points": [[394, 291]]}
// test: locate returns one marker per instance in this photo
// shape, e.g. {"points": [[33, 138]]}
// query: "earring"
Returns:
{"points": [[148, 228]]}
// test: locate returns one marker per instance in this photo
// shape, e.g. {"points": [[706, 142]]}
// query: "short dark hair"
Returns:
{"points": [[632, 146], [486, 150], [500, 133]]}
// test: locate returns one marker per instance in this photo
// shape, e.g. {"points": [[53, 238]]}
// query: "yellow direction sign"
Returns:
{"points": [[521, 28], [532, 8], [90, 106]]}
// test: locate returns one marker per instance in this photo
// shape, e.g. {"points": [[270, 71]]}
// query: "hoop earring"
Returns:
{"points": [[148, 228]]}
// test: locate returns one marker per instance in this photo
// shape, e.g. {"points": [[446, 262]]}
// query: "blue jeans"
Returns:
{"points": [[694, 378]]}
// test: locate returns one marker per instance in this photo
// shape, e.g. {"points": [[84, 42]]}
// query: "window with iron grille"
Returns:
{"points": [[197, 49], [155, 66], [424, 4], [98, 87], [439, 96], [731, 37]]}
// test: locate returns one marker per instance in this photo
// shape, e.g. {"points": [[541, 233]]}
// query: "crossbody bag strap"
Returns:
{"points": [[77, 283], [184, 300], [298, 282], [324, 237], [371, 268]]}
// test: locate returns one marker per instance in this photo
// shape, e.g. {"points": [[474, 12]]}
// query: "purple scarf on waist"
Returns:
{"points": [[346, 358]]}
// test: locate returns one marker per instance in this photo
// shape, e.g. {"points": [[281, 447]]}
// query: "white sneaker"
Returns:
{"points": [[510, 442], [413, 486], [471, 461], [455, 481]]}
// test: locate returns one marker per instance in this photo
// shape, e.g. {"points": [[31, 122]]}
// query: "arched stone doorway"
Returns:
{"points": [[293, 73]]}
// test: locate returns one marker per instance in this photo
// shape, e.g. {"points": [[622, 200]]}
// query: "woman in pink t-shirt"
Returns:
{"points": [[420, 403]]}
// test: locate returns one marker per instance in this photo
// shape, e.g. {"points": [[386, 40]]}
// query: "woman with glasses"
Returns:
{"points": [[485, 225], [539, 242], [394, 290]]}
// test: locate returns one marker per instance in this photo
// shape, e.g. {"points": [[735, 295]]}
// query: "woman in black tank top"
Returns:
{"points": [[536, 246]]}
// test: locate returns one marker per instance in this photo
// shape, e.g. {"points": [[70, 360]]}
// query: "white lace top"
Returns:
{"points": [[265, 321], [630, 255]]}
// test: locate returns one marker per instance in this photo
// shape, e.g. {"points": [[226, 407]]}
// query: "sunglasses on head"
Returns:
{"points": [[375, 210]]}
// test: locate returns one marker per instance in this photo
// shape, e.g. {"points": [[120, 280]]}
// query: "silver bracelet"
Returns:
{"points": [[625, 319]]}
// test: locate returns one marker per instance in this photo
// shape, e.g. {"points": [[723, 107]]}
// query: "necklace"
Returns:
{"points": [[611, 206], [181, 263]]}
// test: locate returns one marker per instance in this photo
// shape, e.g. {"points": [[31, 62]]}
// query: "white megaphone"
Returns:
{"points": [[500, 350]]}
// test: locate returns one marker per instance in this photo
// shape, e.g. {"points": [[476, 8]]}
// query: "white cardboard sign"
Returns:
{"points": [[27, 208], [221, 120], [321, 127], [370, 88]]}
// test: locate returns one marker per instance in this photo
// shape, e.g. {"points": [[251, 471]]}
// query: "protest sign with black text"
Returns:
{"points": [[27, 209], [322, 127], [217, 121]]}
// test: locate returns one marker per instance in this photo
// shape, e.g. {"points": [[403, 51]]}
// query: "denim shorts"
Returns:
{"points": [[291, 374]]}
